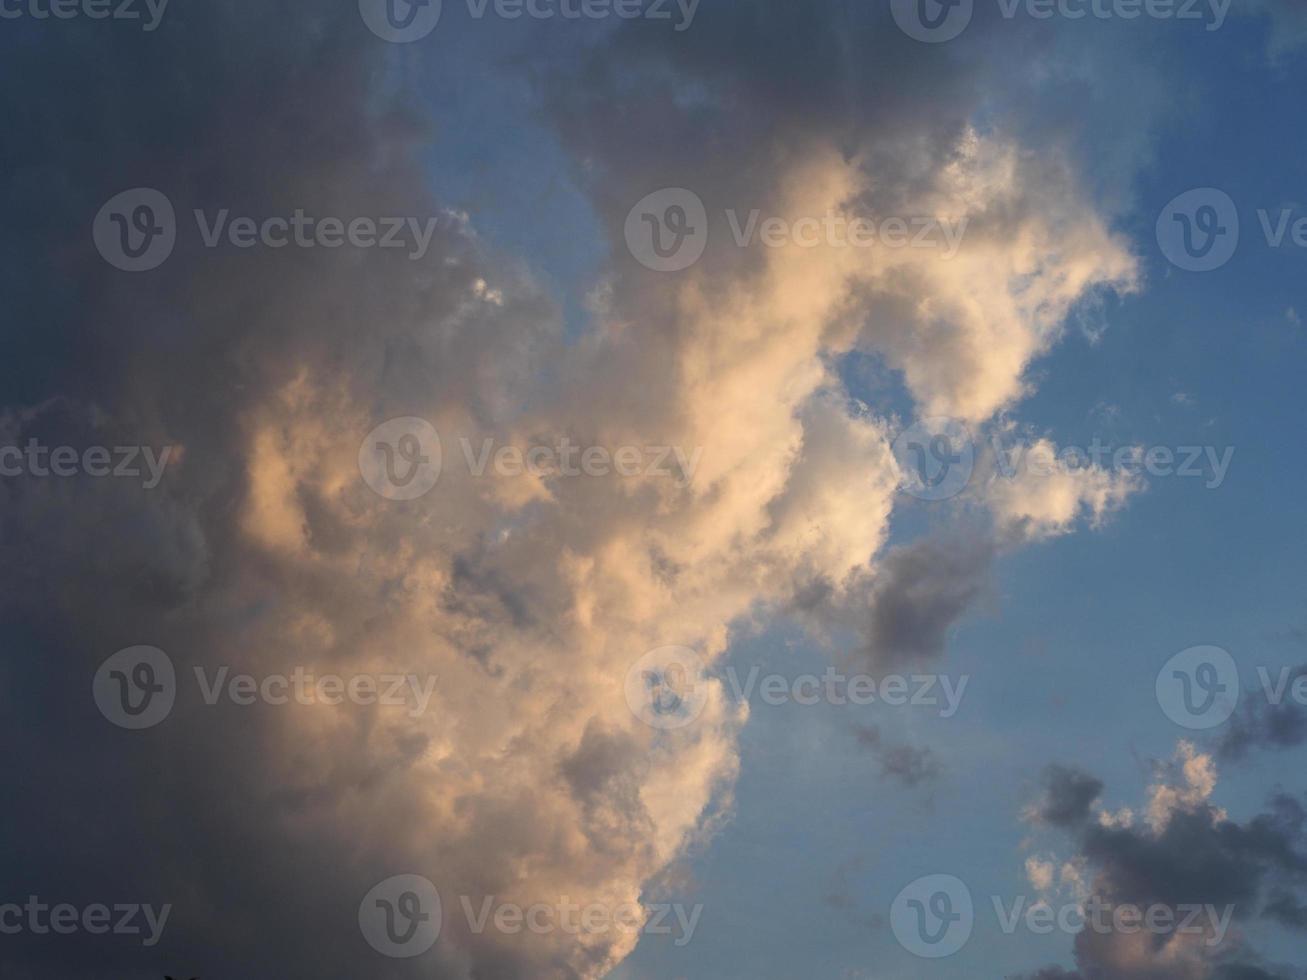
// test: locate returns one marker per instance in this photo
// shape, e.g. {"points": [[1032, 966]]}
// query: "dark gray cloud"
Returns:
{"points": [[923, 590], [1197, 856], [908, 764], [1068, 796], [257, 107], [1262, 724]]}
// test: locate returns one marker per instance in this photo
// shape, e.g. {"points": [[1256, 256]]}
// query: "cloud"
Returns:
{"points": [[1263, 724], [922, 590], [910, 765], [1068, 796], [1188, 853], [1036, 492], [528, 598]]}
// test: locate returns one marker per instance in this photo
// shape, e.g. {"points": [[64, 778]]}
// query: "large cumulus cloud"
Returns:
{"points": [[527, 597]]}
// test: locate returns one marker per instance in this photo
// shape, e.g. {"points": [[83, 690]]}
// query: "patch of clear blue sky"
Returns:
{"points": [[1063, 663]]}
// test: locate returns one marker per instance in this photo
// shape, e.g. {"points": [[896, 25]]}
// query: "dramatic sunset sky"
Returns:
{"points": [[791, 384]]}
